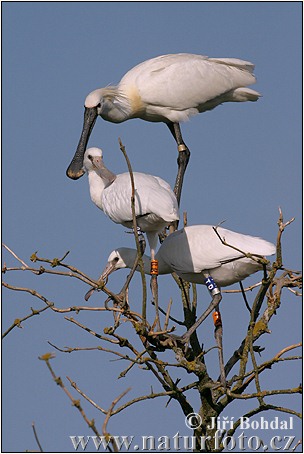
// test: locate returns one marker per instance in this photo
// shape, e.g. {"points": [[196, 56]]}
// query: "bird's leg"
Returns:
{"points": [[182, 160], [218, 334], [142, 241], [216, 299], [244, 296]]}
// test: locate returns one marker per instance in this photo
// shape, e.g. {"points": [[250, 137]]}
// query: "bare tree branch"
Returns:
{"points": [[36, 437], [145, 343]]}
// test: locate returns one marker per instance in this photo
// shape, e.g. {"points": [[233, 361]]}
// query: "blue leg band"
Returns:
{"points": [[211, 286]]}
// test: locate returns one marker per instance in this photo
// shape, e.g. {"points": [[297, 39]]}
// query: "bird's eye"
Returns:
{"points": [[115, 260], [90, 157]]}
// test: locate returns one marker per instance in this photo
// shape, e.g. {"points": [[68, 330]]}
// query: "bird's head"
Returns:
{"points": [[108, 102], [95, 100], [93, 162], [115, 262], [92, 159], [119, 258]]}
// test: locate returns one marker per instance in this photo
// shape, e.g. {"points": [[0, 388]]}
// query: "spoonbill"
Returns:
{"points": [[155, 203], [205, 255], [170, 89], [196, 251]]}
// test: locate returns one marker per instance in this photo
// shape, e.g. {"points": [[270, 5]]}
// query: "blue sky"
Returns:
{"points": [[245, 163]]}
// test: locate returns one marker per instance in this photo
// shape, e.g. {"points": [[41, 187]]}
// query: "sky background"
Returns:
{"points": [[245, 163]]}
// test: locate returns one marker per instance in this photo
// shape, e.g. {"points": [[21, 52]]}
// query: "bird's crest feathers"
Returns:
{"points": [[111, 92]]}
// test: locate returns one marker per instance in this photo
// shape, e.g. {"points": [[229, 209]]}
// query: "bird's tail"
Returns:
{"points": [[244, 94]]}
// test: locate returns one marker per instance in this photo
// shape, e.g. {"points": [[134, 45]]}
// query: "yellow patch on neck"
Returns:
{"points": [[135, 100]]}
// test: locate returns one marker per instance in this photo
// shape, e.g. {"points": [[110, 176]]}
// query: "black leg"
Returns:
{"points": [[182, 160], [244, 296], [214, 303], [218, 333], [142, 241]]}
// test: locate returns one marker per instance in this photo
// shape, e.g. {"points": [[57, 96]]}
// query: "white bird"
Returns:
{"points": [[155, 203], [196, 251], [170, 89], [197, 254]]}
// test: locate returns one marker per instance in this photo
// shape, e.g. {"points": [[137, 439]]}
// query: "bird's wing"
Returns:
{"points": [[240, 64], [246, 243], [209, 252], [197, 248], [150, 197], [156, 196], [189, 253], [184, 81], [167, 205]]}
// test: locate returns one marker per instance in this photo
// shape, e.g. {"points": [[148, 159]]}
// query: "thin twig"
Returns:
{"points": [[249, 415], [15, 255], [139, 252], [168, 315], [76, 403], [108, 416], [154, 289], [36, 437]]}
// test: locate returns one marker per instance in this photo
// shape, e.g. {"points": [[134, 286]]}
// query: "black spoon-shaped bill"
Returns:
{"points": [[75, 169]]}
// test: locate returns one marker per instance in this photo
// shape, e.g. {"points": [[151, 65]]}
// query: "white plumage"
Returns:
{"points": [[170, 89], [155, 203], [195, 251]]}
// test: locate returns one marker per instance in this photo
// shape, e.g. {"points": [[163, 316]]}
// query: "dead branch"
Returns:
{"points": [[155, 340], [76, 403], [15, 255], [108, 416], [139, 251], [261, 394], [230, 432], [36, 437]]}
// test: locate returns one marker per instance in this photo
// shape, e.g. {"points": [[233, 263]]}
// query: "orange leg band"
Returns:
{"points": [[217, 318], [154, 268]]}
